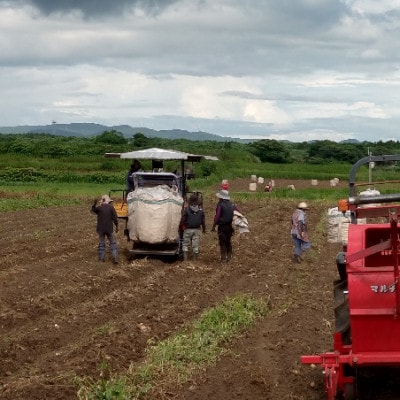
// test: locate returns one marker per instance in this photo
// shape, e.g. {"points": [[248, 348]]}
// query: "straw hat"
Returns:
{"points": [[302, 205]]}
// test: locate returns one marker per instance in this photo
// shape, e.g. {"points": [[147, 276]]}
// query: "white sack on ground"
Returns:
{"points": [[338, 225], [154, 214]]}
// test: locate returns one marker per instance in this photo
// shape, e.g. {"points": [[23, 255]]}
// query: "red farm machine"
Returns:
{"points": [[366, 341]]}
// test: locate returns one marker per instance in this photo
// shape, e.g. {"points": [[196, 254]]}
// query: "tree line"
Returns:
{"points": [[265, 150]]}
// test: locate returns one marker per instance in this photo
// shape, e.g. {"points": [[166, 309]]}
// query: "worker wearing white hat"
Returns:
{"points": [[299, 231], [106, 219], [223, 219]]}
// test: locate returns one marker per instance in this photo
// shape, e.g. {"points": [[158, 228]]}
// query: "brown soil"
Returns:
{"points": [[63, 313]]}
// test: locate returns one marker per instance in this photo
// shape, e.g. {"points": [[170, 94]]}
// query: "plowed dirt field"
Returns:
{"points": [[62, 312]]}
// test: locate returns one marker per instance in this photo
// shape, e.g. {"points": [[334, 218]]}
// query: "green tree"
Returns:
{"points": [[22, 145], [140, 140], [111, 137], [323, 151], [270, 151]]}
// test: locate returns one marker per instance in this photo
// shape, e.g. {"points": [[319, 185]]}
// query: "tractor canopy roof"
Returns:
{"points": [[161, 154]]}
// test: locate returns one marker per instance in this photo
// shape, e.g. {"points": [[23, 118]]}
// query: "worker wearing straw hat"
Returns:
{"points": [[299, 231]]}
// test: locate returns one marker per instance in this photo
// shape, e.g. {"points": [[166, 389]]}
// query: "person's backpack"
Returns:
{"points": [[193, 218]]}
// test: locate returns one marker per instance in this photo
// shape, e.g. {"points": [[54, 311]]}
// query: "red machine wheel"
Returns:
{"points": [[342, 313]]}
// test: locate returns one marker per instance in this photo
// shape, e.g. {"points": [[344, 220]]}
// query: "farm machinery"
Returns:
{"points": [[366, 340], [153, 209]]}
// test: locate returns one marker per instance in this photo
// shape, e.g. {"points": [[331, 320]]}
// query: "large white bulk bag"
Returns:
{"points": [[154, 214], [367, 193], [338, 225]]}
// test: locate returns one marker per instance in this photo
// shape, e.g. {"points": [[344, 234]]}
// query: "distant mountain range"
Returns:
{"points": [[90, 129]]}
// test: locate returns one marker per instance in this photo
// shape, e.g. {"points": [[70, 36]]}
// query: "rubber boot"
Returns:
{"points": [[229, 255], [296, 259], [185, 256], [195, 256], [224, 256]]}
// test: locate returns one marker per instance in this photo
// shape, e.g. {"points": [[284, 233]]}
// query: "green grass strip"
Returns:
{"points": [[36, 202], [174, 360]]}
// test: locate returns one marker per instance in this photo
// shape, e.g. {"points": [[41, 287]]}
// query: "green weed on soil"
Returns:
{"points": [[174, 360]]}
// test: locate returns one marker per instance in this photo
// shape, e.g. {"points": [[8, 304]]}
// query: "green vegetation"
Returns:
{"points": [[177, 358], [44, 170]]}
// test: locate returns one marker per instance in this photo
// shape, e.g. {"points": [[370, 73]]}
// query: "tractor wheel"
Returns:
{"points": [[342, 315]]}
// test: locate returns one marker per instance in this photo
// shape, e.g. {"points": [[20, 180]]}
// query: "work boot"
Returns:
{"points": [[229, 255], [115, 260], [296, 259], [195, 256], [224, 256], [185, 256]]}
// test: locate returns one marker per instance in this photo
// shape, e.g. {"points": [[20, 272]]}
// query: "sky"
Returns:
{"points": [[295, 70]]}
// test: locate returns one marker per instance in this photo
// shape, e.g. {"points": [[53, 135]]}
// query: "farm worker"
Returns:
{"points": [[299, 231], [106, 219], [223, 219], [135, 167], [193, 221]]}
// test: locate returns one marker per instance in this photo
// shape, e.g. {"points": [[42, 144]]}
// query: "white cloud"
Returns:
{"points": [[366, 109], [356, 29], [263, 111], [372, 6], [314, 69]]}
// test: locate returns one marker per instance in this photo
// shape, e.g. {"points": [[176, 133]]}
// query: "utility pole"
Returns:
{"points": [[371, 165]]}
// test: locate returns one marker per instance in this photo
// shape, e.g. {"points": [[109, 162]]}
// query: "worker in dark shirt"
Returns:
{"points": [[223, 219], [192, 223], [106, 219]]}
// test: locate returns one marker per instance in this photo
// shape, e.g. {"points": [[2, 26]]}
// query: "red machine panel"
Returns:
{"points": [[374, 319]]}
